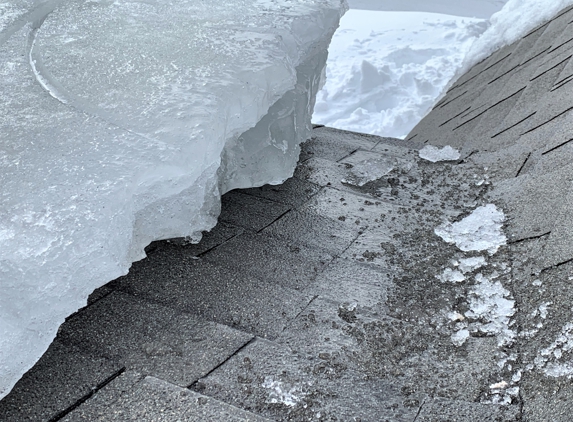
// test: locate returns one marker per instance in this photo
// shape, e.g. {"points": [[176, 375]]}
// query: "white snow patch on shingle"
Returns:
{"points": [[479, 231], [460, 337], [548, 359], [467, 265], [492, 309], [279, 394], [452, 276]]}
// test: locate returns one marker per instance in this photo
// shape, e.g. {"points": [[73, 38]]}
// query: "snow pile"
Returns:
{"points": [[435, 154], [386, 69], [513, 21], [470, 8], [123, 123], [479, 231]]}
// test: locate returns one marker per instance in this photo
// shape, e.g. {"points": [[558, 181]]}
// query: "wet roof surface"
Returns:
{"points": [[331, 297]]}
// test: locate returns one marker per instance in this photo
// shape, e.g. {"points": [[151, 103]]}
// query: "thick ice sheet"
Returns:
{"points": [[122, 122]]}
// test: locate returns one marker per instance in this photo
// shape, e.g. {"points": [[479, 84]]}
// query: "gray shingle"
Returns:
{"points": [[313, 231], [153, 399], [97, 406], [334, 144], [534, 202], [151, 339], [220, 293], [450, 410], [271, 380], [250, 212], [61, 378], [552, 33], [559, 247], [274, 261], [293, 192]]}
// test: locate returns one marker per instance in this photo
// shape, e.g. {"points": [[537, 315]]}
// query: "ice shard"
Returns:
{"points": [[122, 122]]}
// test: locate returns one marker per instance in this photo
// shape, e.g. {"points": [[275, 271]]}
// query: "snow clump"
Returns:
{"points": [[479, 231], [279, 394], [491, 306]]}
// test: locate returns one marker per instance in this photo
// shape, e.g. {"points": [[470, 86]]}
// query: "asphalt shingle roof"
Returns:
{"points": [[320, 299]]}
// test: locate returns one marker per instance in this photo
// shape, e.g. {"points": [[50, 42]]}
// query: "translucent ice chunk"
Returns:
{"points": [[368, 171], [435, 154], [122, 123]]}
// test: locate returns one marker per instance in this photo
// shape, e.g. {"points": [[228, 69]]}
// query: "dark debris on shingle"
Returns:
{"points": [[323, 299]]}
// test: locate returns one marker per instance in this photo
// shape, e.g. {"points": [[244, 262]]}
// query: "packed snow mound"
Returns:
{"points": [[512, 22], [123, 122], [386, 69]]}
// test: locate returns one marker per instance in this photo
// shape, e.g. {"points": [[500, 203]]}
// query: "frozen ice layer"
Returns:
{"points": [[123, 122]]}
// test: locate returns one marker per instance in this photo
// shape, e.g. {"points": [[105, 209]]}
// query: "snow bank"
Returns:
{"points": [[482, 9], [513, 21], [386, 69], [122, 123]]}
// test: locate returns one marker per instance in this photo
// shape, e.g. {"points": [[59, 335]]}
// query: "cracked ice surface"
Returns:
{"points": [[123, 122]]}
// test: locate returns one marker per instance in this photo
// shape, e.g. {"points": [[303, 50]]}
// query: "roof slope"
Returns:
{"points": [[317, 299], [514, 114], [335, 296]]}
